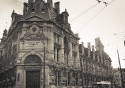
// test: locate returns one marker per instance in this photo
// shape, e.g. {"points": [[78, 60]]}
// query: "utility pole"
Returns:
{"points": [[44, 79], [81, 63], [120, 69]]}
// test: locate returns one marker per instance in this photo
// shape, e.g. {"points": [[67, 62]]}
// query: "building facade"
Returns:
{"points": [[40, 47], [116, 78], [123, 76], [96, 64]]}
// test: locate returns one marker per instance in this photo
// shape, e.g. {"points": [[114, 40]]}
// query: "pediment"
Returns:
{"points": [[34, 18]]}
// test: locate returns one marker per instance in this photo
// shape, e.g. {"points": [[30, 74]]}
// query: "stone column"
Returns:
{"points": [[98, 57], [93, 51], [70, 60], [57, 77], [77, 57], [51, 45], [20, 77], [55, 54], [47, 76], [61, 52], [89, 49]]}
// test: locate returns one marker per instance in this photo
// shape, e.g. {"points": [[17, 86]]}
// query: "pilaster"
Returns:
{"points": [[46, 75], [93, 51], [19, 77], [89, 49], [70, 60], [51, 44], [77, 56], [55, 54], [61, 52]]}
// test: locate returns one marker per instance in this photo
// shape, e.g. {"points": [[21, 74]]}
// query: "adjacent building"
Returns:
{"points": [[116, 78], [123, 75], [96, 64], [40, 47]]}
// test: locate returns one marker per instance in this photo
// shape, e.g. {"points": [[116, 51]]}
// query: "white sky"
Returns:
{"points": [[109, 24]]}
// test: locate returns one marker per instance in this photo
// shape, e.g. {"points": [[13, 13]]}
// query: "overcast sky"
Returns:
{"points": [[97, 20]]}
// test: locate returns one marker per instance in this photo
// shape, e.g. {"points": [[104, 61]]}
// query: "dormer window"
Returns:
{"points": [[43, 9], [33, 10]]}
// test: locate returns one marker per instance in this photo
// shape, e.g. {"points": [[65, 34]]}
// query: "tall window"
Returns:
{"points": [[66, 49], [54, 53], [54, 37], [65, 42], [57, 38], [57, 55]]}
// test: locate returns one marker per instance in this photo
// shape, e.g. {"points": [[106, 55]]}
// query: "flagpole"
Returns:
{"points": [[120, 69]]}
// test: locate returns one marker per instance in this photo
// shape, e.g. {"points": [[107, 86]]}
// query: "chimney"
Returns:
{"points": [[93, 49], [50, 3], [89, 46], [30, 1], [89, 49], [57, 7]]}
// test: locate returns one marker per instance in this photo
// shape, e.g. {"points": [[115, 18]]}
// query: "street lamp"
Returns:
{"points": [[120, 69], [44, 79], [43, 40]]}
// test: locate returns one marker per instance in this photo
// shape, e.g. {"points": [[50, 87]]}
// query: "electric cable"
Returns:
{"points": [[83, 12], [18, 1], [117, 7], [5, 19], [95, 15], [90, 19], [114, 42], [114, 35]]}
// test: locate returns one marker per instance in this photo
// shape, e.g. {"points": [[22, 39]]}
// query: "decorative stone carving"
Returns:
{"points": [[35, 32]]}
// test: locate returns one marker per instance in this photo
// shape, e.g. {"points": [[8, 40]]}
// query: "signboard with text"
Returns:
{"points": [[31, 44]]}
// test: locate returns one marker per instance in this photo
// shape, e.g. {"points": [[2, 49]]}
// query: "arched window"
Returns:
{"points": [[33, 59], [65, 42]]}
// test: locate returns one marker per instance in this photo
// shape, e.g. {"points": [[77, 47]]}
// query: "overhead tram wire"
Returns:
{"points": [[117, 7], [18, 1], [114, 42], [95, 15], [85, 11], [115, 34], [4, 19], [90, 20], [109, 36]]}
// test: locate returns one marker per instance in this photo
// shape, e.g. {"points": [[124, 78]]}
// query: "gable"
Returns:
{"points": [[35, 18]]}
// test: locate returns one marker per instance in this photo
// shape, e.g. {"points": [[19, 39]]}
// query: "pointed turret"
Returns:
{"points": [[5, 32], [57, 7], [4, 35]]}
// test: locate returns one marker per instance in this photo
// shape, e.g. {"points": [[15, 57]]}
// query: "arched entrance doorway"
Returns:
{"points": [[32, 67]]}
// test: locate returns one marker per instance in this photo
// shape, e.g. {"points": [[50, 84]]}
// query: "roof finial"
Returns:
{"points": [[13, 11], [65, 10], [6, 25]]}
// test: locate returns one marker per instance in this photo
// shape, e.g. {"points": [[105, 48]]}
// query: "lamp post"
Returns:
{"points": [[44, 79], [120, 69], [81, 63]]}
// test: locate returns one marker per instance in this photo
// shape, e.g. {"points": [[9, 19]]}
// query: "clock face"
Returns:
{"points": [[34, 29]]}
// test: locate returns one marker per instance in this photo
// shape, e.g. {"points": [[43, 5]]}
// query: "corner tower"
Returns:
{"points": [[24, 50]]}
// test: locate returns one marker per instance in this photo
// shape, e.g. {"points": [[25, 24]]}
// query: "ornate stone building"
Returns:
{"points": [[43, 34], [42, 31], [96, 64]]}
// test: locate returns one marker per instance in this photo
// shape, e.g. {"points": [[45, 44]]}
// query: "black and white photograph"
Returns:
{"points": [[62, 43]]}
